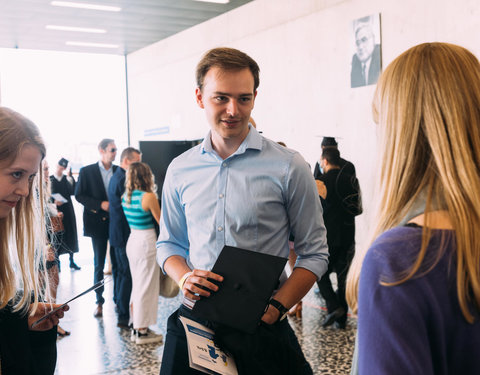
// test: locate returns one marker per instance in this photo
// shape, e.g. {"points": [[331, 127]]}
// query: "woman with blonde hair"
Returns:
{"points": [[23, 349], [417, 288], [141, 207]]}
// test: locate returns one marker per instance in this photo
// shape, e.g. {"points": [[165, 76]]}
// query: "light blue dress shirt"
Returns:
{"points": [[106, 175], [252, 200]]}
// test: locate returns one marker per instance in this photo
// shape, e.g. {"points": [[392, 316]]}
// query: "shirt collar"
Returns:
{"points": [[100, 164], [253, 140]]}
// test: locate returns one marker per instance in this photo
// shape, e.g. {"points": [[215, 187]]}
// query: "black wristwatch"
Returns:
{"points": [[283, 310]]}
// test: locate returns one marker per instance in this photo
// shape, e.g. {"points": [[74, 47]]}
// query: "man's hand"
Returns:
{"points": [[322, 189], [197, 281], [51, 321], [104, 205], [271, 315]]}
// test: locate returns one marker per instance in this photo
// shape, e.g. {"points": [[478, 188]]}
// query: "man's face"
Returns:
{"points": [[365, 43], [60, 169], [46, 170], [108, 155], [228, 100], [135, 158], [322, 164]]}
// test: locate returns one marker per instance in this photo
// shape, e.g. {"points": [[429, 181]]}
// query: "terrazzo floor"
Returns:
{"points": [[97, 346]]}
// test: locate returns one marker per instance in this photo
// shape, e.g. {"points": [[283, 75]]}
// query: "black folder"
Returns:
{"points": [[249, 279]]}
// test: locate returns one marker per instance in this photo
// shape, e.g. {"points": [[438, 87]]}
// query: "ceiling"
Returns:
{"points": [[138, 24]]}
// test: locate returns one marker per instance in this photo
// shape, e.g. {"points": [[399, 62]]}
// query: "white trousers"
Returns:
{"points": [[141, 253]]}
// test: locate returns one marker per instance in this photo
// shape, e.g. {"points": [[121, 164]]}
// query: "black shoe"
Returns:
{"points": [[333, 316], [73, 266], [341, 325]]}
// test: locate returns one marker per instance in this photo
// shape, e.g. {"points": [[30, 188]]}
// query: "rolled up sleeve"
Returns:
{"points": [[173, 237], [306, 218]]}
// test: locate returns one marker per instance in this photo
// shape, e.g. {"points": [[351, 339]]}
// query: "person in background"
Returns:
{"points": [[417, 288], [341, 244], [23, 350], [91, 192], [118, 233], [141, 207], [64, 185], [345, 165], [55, 230]]}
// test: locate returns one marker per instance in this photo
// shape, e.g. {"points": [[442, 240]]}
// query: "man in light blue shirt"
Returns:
{"points": [[240, 189]]}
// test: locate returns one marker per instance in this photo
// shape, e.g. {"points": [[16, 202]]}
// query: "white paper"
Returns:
{"points": [[203, 354], [59, 197]]}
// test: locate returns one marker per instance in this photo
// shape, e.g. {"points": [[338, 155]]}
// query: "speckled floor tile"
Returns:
{"points": [[98, 346]]}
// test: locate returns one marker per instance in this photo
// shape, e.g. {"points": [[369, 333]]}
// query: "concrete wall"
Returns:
{"points": [[304, 50]]}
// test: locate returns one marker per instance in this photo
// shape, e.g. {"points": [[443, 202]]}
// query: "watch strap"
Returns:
{"points": [[278, 305]]}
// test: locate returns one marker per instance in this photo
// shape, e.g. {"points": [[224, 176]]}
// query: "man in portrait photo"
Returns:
{"points": [[366, 62]]}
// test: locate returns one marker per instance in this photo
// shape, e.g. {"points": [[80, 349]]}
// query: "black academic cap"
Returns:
{"points": [[329, 141], [63, 162], [249, 279]]}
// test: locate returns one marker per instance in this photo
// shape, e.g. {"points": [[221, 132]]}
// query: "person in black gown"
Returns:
{"points": [[65, 186]]}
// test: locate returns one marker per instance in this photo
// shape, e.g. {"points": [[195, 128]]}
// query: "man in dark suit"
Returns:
{"points": [[91, 192], [366, 63], [119, 232]]}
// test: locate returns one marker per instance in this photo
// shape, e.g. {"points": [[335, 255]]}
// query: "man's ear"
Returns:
{"points": [[199, 97]]}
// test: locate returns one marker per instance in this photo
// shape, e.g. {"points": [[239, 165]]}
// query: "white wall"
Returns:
{"points": [[303, 48]]}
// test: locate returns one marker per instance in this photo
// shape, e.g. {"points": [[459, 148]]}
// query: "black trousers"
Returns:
{"points": [[175, 353], [338, 262]]}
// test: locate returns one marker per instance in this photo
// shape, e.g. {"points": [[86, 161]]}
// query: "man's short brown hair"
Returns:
{"points": [[227, 59], [129, 153]]}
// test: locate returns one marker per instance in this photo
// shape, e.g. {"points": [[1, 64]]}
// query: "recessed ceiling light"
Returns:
{"points": [[215, 1], [86, 6], [80, 29], [87, 44]]}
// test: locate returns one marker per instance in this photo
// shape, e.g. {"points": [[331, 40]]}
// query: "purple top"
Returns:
{"points": [[416, 327]]}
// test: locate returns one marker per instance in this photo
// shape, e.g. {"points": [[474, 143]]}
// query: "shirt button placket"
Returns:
{"points": [[220, 217]]}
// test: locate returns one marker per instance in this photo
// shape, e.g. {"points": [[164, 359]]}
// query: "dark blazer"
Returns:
{"points": [[356, 75], [340, 224], [90, 192], [345, 166], [119, 230]]}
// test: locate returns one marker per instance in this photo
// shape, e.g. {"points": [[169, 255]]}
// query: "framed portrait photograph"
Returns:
{"points": [[366, 51]]}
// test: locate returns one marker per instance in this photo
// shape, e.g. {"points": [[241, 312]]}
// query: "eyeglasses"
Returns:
{"points": [[113, 150]]}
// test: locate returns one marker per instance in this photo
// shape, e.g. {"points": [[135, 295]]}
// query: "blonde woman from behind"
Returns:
{"points": [[417, 289]]}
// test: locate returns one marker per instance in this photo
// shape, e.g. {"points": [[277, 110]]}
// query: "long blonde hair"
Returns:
{"points": [[22, 232], [139, 177], [427, 104]]}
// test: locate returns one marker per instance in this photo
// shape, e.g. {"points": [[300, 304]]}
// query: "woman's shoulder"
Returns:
{"points": [[396, 250]]}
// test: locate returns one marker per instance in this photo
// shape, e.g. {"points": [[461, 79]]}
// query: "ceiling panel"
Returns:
{"points": [[139, 23]]}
